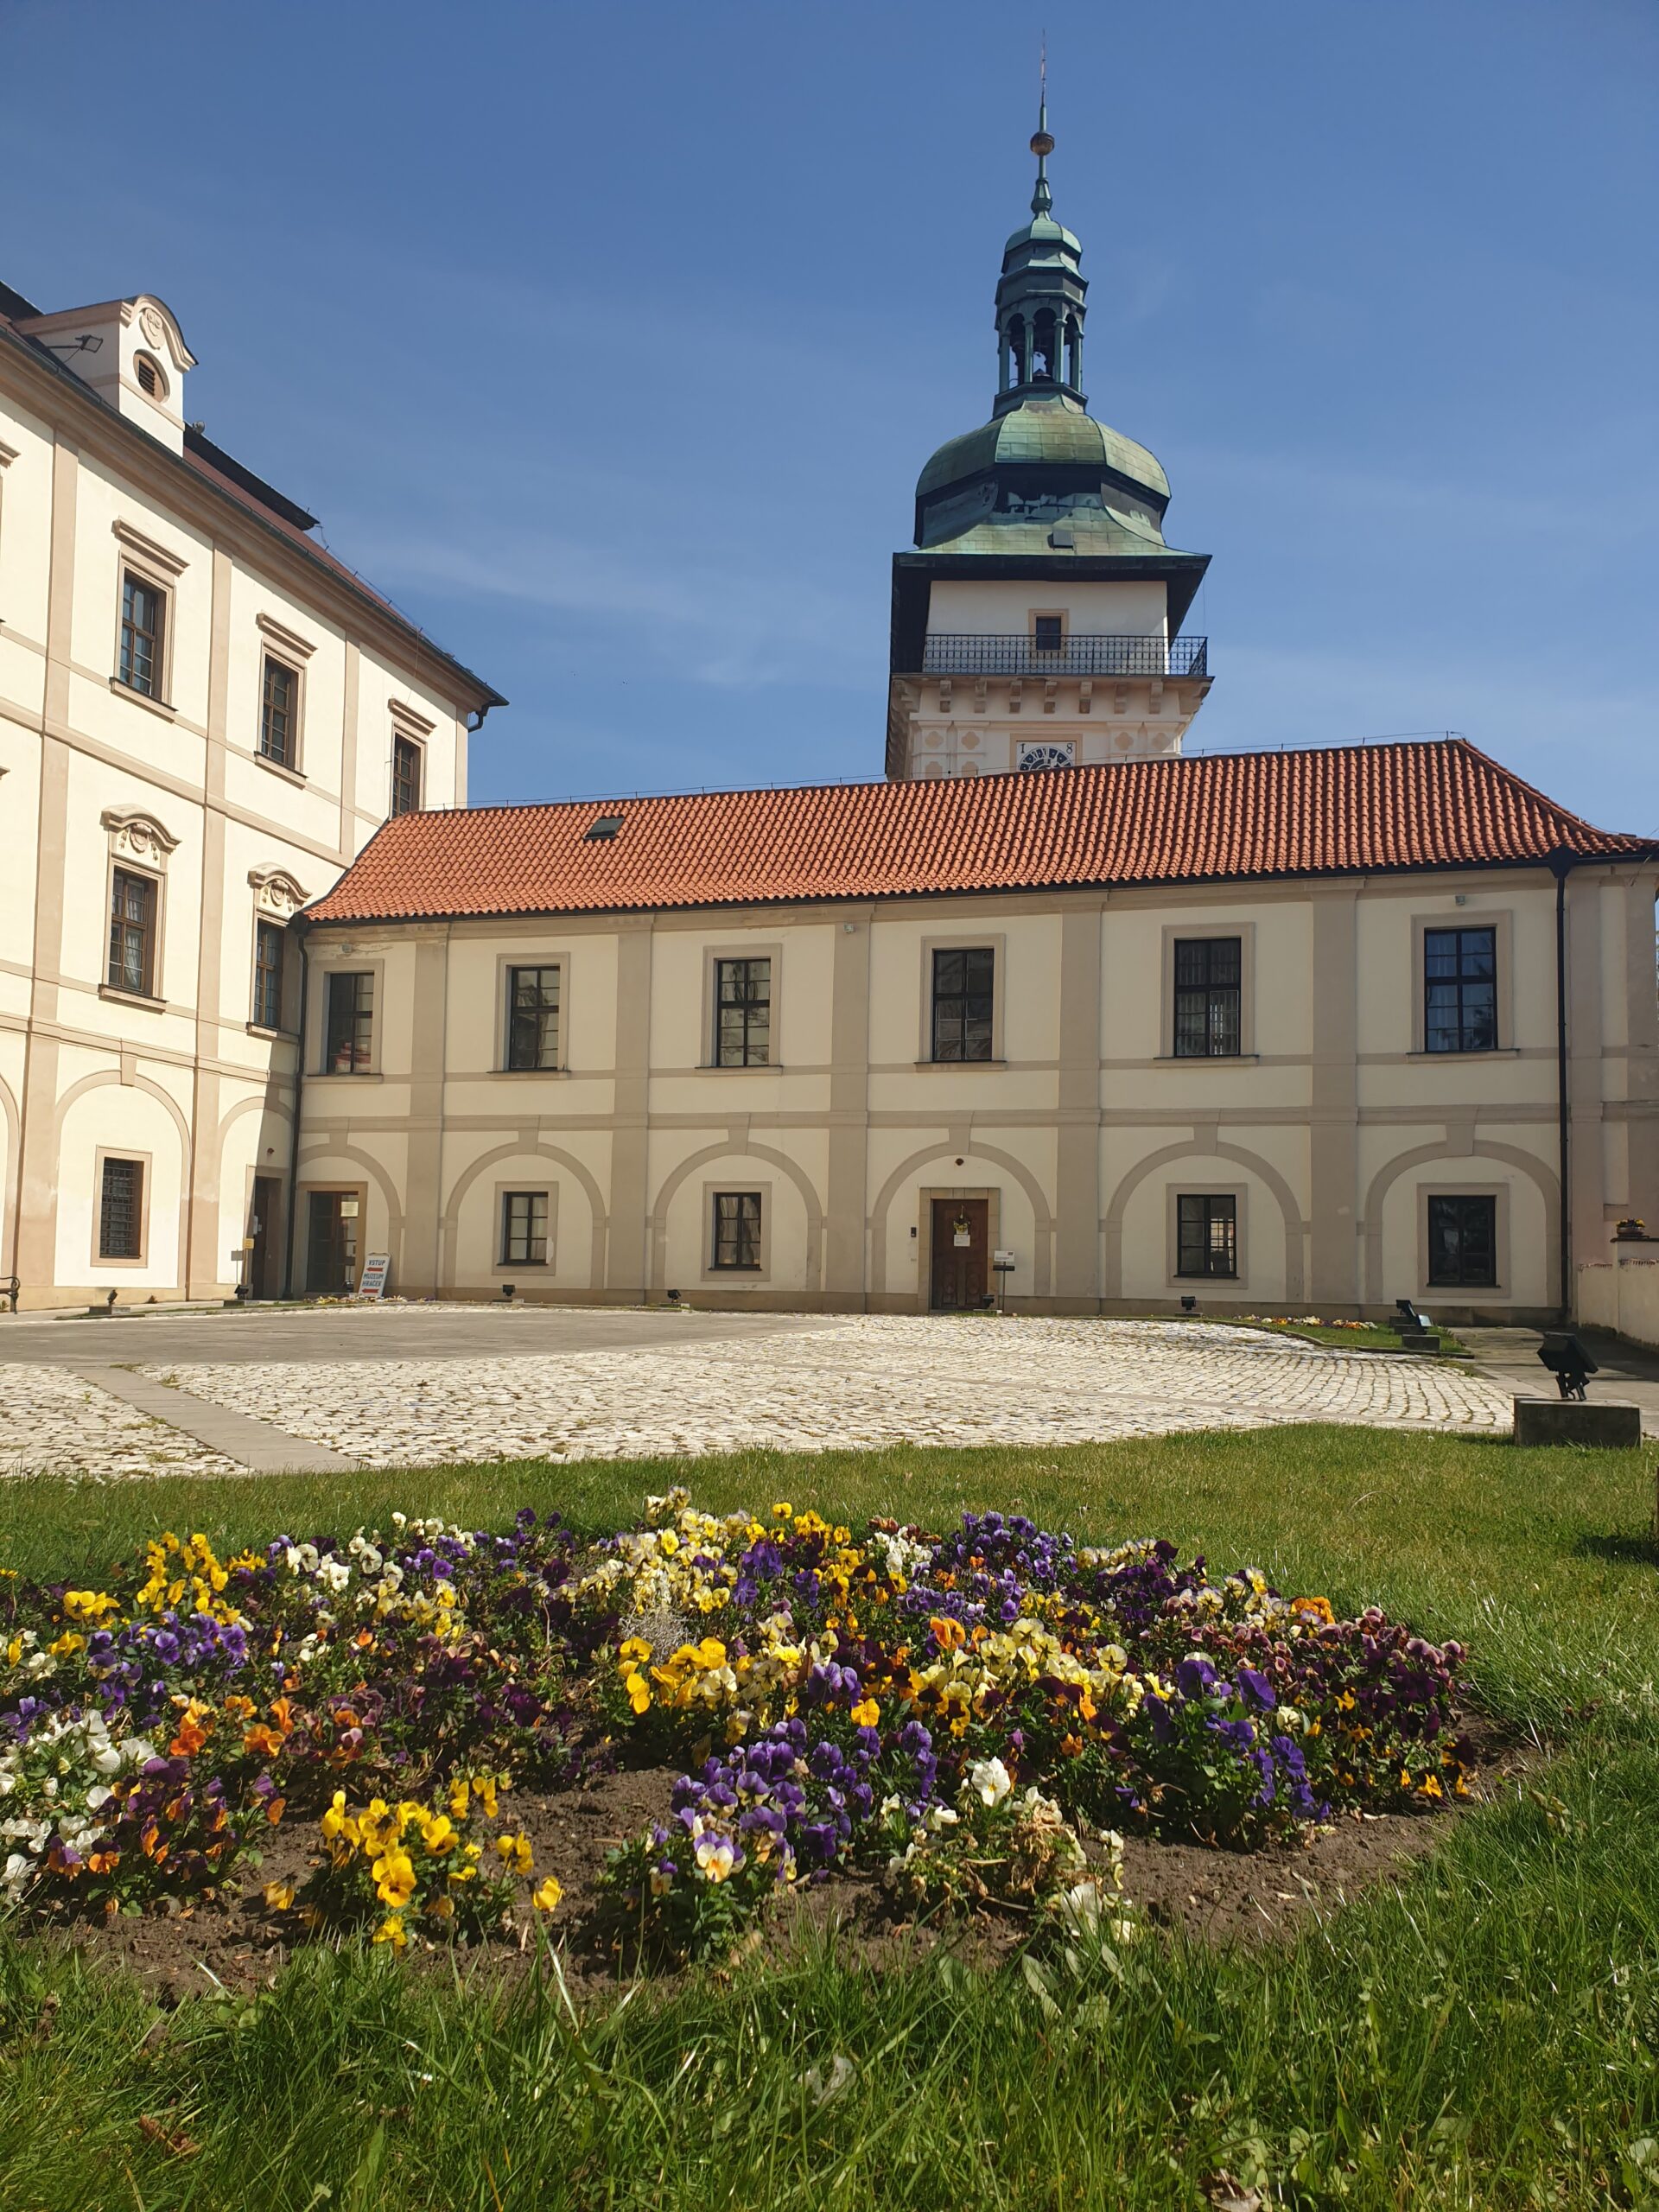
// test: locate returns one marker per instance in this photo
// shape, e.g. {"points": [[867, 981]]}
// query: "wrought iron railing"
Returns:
{"points": [[1083, 653]]}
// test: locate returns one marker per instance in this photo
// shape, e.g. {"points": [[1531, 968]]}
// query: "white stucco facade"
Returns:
{"points": [[1326, 1135], [168, 789]]}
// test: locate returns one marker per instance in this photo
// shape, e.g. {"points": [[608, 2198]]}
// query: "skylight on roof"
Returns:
{"points": [[602, 826]]}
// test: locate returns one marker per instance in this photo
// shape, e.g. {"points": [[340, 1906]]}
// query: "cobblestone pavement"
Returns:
{"points": [[52, 1422], [865, 1382]]}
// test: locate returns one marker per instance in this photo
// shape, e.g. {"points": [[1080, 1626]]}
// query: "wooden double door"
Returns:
{"points": [[960, 1276]]}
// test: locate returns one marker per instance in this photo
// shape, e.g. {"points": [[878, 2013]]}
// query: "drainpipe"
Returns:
{"points": [[1560, 861], [294, 1138]]}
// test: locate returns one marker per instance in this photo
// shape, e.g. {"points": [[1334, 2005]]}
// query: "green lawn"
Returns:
{"points": [[1486, 2035]]}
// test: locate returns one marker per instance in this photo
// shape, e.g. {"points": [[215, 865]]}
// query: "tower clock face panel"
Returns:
{"points": [[1049, 755]]}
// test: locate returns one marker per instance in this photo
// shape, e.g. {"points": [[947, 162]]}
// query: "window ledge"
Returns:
{"points": [[143, 698], [280, 768], [342, 1075], [520, 1075], [716, 1271], [119, 997], [1202, 1059], [1481, 1052], [959, 1065], [516, 1266], [273, 1036], [737, 1067]]}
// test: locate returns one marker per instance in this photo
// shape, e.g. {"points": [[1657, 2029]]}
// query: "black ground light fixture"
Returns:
{"points": [[1189, 1304], [508, 1290], [1567, 1360]]}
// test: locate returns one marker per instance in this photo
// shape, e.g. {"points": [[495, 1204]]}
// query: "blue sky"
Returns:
{"points": [[609, 341]]}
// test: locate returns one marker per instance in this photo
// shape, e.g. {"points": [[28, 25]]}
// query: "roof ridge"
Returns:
{"points": [[1163, 761]]}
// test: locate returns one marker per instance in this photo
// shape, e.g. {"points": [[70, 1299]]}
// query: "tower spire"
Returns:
{"points": [[1041, 144]]}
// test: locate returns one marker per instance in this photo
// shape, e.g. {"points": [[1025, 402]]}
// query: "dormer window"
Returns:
{"points": [[151, 382]]}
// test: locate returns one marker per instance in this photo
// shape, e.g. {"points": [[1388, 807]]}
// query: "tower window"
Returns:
{"points": [[1042, 351], [151, 382]]}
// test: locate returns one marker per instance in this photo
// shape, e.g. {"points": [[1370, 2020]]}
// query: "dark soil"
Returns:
{"points": [[238, 1943]]}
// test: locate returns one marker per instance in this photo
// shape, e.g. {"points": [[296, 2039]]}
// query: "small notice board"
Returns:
{"points": [[373, 1281]]}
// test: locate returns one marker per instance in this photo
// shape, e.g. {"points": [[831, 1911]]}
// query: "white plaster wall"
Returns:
{"points": [[987, 607]]}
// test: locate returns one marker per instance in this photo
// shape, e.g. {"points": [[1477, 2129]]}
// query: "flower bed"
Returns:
{"points": [[974, 1719]]}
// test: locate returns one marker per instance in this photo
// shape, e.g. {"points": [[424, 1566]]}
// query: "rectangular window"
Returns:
{"points": [[268, 943], [121, 1210], [523, 1228], [963, 988], [1460, 990], [737, 1228], [1463, 1243], [743, 1013], [1206, 1230], [1208, 996], [132, 933], [348, 1035], [279, 701], [532, 1017], [1048, 632], [144, 613], [405, 775]]}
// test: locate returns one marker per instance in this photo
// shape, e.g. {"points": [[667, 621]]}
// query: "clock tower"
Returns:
{"points": [[1038, 624]]}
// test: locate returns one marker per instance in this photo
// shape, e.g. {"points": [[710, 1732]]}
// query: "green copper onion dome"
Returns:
{"points": [[1042, 474]]}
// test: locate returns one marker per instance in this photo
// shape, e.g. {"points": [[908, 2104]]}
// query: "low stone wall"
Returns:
{"points": [[1622, 1293]]}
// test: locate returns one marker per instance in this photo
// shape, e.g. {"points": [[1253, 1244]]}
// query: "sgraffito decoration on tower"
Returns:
{"points": [[1038, 623]]}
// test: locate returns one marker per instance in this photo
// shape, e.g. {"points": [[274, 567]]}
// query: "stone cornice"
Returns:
{"points": [[226, 521]]}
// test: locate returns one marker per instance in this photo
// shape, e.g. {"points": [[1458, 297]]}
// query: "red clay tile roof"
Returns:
{"points": [[1204, 816]]}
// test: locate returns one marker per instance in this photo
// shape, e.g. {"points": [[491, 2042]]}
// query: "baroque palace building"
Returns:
{"points": [[1256, 1031], [203, 717], [1057, 1007]]}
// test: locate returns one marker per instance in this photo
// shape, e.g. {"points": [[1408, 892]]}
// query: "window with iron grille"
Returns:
{"points": [[405, 775], [132, 933], [143, 615], [120, 1210], [523, 1228], [1208, 996], [964, 981], [1463, 1243], [1460, 990], [268, 943], [348, 1031], [532, 1017], [737, 1228], [278, 705], [1206, 1235], [743, 1013]]}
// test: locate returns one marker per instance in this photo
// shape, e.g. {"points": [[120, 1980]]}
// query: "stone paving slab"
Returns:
{"points": [[865, 1382], [53, 1422], [255, 1444]]}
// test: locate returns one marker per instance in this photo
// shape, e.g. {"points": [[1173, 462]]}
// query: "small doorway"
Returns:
{"points": [[331, 1244], [260, 1273], [961, 1273]]}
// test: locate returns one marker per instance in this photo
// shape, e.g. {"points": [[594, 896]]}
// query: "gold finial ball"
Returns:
{"points": [[1042, 144]]}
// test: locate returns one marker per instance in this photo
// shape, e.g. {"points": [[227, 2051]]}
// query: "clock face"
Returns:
{"points": [[1046, 756]]}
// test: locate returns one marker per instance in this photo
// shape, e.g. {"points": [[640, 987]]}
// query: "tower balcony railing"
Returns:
{"points": [[1083, 653]]}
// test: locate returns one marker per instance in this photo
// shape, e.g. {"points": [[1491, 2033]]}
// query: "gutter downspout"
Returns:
{"points": [[293, 1140], [1561, 862]]}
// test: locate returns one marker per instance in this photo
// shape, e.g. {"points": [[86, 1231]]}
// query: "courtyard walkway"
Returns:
{"points": [[223, 1394]]}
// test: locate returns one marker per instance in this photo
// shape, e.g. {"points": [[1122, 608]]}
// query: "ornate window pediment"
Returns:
{"points": [[276, 892], [135, 835]]}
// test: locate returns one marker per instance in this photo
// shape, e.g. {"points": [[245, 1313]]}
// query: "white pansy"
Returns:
{"points": [[990, 1780]]}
